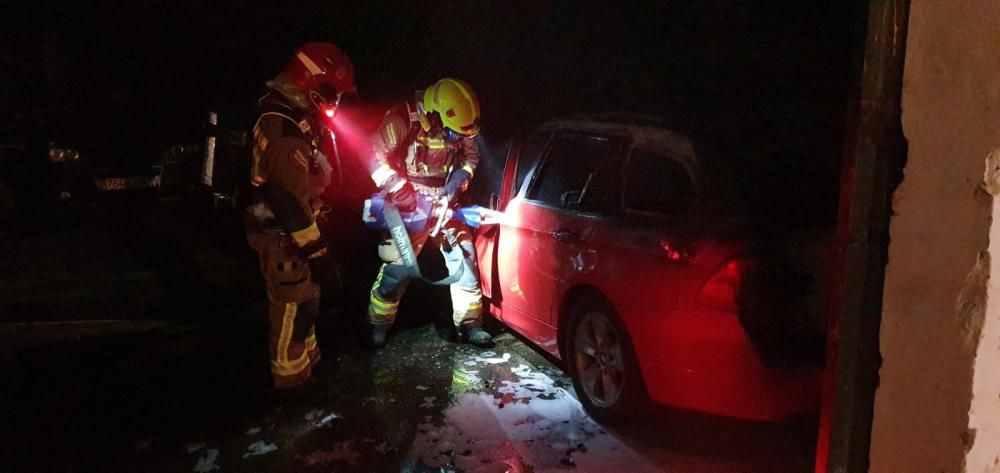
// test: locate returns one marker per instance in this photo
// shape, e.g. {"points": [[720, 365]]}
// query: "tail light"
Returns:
{"points": [[720, 289]]}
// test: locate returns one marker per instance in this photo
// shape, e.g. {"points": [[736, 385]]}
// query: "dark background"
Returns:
{"points": [[765, 83]]}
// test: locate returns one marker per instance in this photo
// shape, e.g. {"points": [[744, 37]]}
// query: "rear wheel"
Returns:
{"points": [[602, 363]]}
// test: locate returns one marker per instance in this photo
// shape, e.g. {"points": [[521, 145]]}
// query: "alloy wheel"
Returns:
{"points": [[599, 359]]}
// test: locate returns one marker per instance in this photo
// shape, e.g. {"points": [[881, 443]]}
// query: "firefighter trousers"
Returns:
{"points": [[466, 295], [293, 307]]}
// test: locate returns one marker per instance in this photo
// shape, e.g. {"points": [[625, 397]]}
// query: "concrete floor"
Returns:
{"points": [[149, 398], [180, 384]]}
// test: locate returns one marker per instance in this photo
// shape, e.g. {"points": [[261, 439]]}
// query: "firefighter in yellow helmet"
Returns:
{"points": [[289, 173], [427, 146]]}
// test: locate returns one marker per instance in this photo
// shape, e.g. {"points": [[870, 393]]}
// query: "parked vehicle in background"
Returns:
{"points": [[625, 254], [38, 176]]}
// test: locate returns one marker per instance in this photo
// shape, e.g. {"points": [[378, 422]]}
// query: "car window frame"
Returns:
{"points": [[653, 215], [518, 189], [620, 145]]}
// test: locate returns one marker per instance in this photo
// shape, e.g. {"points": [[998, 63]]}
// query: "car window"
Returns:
{"points": [[569, 162], [603, 193], [658, 184], [531, 152]]}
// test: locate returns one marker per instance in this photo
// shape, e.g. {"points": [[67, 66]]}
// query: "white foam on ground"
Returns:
{"points": [[327, 420], [207, 463], [314, 414], [259, 448], [521, 432]]}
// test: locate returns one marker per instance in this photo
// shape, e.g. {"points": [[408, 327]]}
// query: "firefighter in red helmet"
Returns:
{"points": [[289, 172]]}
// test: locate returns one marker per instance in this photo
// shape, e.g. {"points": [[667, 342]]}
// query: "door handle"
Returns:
{"points": [[563, 235]]}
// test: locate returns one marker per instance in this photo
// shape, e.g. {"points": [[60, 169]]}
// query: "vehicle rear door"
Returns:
{"points": [[668, 259], [658, 199], [630, 232]]}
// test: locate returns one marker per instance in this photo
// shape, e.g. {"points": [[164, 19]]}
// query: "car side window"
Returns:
{"points": [[568, 165], [531, 151], [658, 184], [603, 193]]}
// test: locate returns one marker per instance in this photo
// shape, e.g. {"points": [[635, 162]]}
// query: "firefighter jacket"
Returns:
{"points": [[402, 148], [288, 174]]}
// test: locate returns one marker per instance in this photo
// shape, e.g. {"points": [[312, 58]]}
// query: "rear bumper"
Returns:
{"points": [[701, 359]]}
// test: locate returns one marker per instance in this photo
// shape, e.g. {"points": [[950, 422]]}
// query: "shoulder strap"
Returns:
{"points": [[399, 154], [301, 126]]}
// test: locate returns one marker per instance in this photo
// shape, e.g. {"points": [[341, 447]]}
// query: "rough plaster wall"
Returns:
{"points": [[984, 417], [937, 279]]}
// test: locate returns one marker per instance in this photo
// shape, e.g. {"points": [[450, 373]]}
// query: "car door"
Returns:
{"points": [[668, 259], [536, 224], [626, 235], [524, 153]]}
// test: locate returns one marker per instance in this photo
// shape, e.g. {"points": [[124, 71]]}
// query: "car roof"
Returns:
{"points": [[646, 132]]}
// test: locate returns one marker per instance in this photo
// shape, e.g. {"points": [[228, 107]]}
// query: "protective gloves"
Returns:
{"points": [[455, 182], [405, 199]]}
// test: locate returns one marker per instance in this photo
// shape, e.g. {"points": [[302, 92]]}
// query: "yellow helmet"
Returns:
{"points": [[451, 104]]}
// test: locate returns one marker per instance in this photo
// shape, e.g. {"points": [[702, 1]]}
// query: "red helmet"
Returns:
{"points": [[323, 72]]}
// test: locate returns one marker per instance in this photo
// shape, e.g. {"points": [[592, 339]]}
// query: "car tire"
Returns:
{"points": [[602, 363]]}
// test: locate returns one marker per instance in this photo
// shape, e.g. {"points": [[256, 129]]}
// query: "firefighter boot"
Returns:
{"points": [[378, 335], [476, 336]]}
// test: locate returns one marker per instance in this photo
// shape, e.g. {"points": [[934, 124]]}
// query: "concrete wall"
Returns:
{"points": [[937, 408]]}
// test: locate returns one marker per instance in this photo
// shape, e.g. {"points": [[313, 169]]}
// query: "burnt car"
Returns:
{"points": [[623, 253]]}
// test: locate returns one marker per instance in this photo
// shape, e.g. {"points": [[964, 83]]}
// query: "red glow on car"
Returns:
{"points": [[673, 254], [720, 289], [678, 308]]}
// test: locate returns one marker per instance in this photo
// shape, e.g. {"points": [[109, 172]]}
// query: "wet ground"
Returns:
{"points": [[147, 353]]}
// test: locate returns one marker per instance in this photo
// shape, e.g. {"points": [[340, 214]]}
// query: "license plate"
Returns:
{"points": [[112, 184]]}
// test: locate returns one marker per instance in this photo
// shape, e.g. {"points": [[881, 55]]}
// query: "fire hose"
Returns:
{"points": [[380, 214]]}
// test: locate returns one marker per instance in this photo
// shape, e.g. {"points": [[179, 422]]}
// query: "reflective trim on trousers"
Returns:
{"points": [[466, 295], [466, 303], [291, 360], [312, 348], [282, 364], [381, 310]]}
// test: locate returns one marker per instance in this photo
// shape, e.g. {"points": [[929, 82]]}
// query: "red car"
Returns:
{"points": [[610, 257]]}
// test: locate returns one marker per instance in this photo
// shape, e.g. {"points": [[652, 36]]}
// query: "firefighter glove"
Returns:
{"points": [[455, 182], [405, 199]]}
